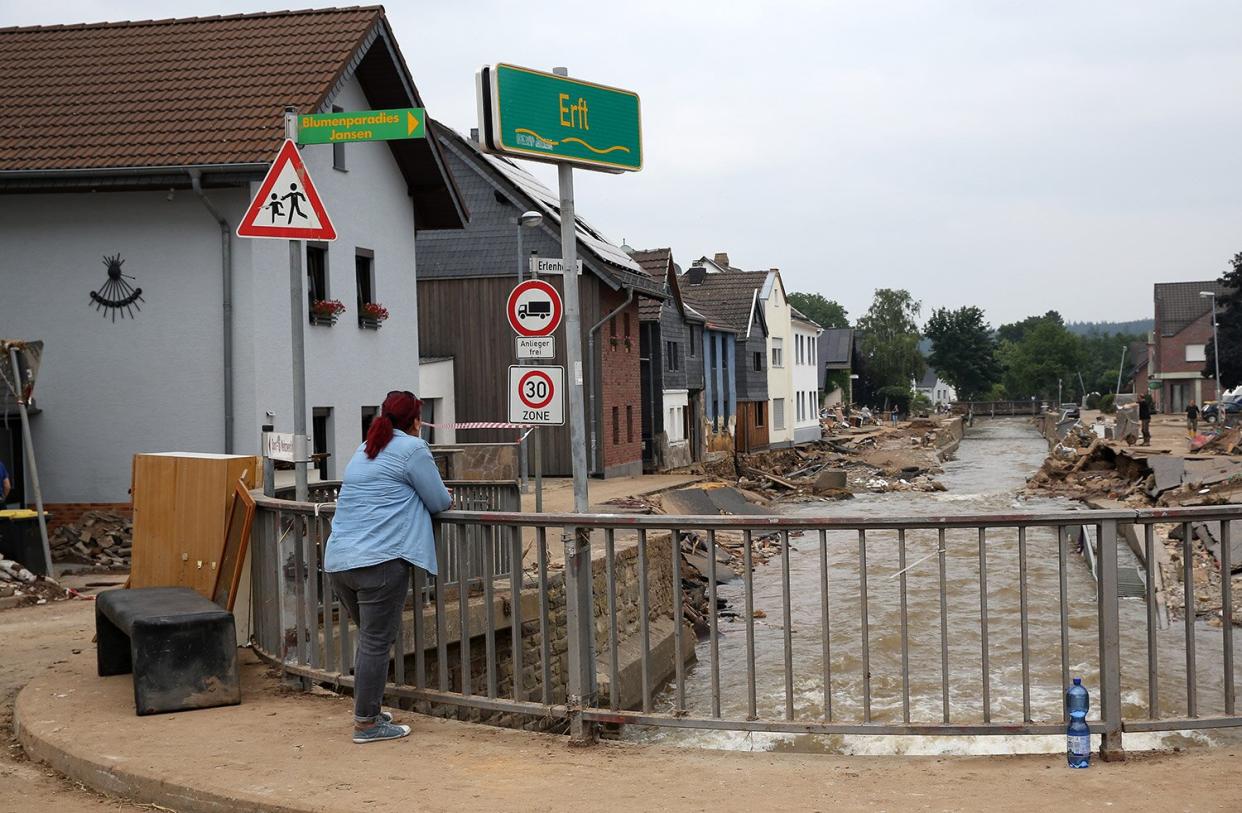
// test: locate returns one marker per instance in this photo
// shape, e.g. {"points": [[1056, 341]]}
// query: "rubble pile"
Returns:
{"points": [[1083, 465], [16, 582], [99, 538], [1206, 589]]}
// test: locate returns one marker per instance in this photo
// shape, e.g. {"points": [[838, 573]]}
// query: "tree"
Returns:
{"points": [[826, 313], [963, 351], [1047, 354], [888, 340], [1228, 328], [1016, 331]]}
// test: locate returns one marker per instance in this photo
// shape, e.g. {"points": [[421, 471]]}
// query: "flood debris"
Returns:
{"points": [[19, 586], [100, 539]]}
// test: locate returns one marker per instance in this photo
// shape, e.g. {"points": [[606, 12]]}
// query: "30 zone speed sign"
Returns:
{"points": [[537, 395]]}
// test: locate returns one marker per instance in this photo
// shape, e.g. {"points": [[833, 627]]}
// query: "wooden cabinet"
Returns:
{"points": [[181, 505]]}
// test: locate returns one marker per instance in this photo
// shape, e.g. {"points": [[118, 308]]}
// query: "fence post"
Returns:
{"points": [[1111, 749], [579, 634]]}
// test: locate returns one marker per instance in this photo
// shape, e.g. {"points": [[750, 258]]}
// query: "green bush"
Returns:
{"points": [[1106, 404]]}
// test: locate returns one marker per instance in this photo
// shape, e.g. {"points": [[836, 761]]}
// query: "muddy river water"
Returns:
{"points": [[991, 466]]}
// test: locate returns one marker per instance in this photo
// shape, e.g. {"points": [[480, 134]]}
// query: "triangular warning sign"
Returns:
{"points": [[287, 206]]}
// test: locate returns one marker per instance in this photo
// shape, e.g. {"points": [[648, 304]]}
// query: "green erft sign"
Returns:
{"points": [[362, 125], [553, 118]]}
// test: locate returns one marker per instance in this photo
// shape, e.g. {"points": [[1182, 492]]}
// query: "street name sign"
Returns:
{"points": [[279, 446], [537, 395], [545, 117], [287, 207], [536, 347], [549, 265], [534, 309], [362, 125]]}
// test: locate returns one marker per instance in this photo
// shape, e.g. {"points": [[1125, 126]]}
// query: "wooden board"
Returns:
{"points": [[235, 545], [181, 510]]}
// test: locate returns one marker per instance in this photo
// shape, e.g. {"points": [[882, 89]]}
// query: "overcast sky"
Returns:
{"points": [[1020, 156]]}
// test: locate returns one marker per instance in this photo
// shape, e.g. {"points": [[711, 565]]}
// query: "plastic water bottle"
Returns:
{"points": [[1078, 741], [1077, 699]]}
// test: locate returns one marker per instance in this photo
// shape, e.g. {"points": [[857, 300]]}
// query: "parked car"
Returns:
{"points": [[1232, 405], [1070, 410]]}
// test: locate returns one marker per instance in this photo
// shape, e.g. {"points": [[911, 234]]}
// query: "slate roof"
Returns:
{"points": [[836, 348], [725, 297], [928, 381], [1178, 304], [122, 97], [655, 264], [483, 252], [802, 317]]}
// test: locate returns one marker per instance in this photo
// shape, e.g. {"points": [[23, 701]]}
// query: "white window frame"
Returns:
{"points": [[1200, 355], [778, 352]]}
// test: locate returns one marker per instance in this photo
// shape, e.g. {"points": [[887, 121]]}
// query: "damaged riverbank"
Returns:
{"points": [[1086, 462]]}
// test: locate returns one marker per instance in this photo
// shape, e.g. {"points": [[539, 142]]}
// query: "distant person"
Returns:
{"points": [[1145, 419], [6, 485], [382, 527], [1192, 419]]}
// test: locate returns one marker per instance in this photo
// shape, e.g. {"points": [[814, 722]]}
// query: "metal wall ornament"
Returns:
{"points": [[116, 295]]}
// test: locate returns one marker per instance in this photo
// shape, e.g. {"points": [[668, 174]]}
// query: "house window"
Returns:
{"points": [[338, 149], [629, 423], [797, 349], [1196, 352], [316, 272], [672, 356], [612, 328], [616, 426], [694, 350], [778, 413], [368, 415], [322, 441], [758, 362], [778, 353], [364, 277], [760, 409]]}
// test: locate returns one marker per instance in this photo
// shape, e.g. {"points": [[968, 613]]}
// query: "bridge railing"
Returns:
{"points": [[821, 638]]}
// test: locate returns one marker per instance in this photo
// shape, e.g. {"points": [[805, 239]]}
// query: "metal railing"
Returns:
{"points": [[501, 645]]}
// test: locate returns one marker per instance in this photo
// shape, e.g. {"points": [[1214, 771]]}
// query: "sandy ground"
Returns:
{"points": [[34, 640], [293, 748]]}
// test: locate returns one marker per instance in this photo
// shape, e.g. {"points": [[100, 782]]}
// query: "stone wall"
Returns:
{"points": [[483, 461], [660, 614]]}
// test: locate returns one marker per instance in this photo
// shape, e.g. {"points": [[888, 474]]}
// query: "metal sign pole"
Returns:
{"points": [[30, 461], [578, 544], [301, 490]]}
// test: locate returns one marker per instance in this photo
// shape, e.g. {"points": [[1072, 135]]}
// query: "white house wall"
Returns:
{"points": [[109, 390], [805, 384], [347, 367], [780, 379], [435, 380], [153, 383]]}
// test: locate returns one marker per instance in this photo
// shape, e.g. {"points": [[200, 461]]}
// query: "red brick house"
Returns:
{"points": [[1183, 329]]}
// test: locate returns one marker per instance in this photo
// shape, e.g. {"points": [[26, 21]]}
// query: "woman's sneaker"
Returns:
{"points": [[381, 731]]}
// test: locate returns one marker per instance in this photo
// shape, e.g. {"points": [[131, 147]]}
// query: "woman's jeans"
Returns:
{"points": [[374, 596]]}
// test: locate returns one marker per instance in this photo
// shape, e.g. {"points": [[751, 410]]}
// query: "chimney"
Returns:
{"points": [[474, 134], [721, 259], [695, 274]]}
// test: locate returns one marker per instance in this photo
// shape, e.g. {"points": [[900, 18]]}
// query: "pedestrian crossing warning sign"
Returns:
{"points": [[287, 206]]}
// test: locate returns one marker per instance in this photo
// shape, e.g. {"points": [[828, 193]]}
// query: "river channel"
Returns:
{"points": [[990, 468]]}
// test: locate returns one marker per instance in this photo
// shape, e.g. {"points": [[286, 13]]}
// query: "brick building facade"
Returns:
{"points": [[1182, 331], [621, 441]]}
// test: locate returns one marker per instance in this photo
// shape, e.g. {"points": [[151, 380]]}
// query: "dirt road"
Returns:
{"points": [[33, 640]]}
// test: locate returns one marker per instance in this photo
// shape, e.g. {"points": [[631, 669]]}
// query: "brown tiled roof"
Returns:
{"points": [[205, 90], [653, 261], [724, 296], [1178, 304]]}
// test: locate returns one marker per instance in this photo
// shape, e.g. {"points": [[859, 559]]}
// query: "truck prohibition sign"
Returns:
{"points": [[534, 309]]}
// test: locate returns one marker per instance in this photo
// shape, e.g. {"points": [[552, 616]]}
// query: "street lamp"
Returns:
{"points": [[526, 220], [1215, 342]]}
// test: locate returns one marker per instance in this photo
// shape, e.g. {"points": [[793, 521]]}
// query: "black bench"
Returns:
{"points": [[181, 647]]}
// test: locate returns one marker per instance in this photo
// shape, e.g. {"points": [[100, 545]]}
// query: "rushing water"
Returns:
{"points": [[991, 466]]}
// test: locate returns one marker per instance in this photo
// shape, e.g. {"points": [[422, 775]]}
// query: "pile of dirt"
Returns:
{"points": [[100, 538], [1205, 592]]}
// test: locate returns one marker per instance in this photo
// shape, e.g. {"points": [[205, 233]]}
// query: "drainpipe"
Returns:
{"points": [[226, 300], [596, 420]]}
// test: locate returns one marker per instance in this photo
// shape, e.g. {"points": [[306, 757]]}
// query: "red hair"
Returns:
{"points": [[401, 409]]}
